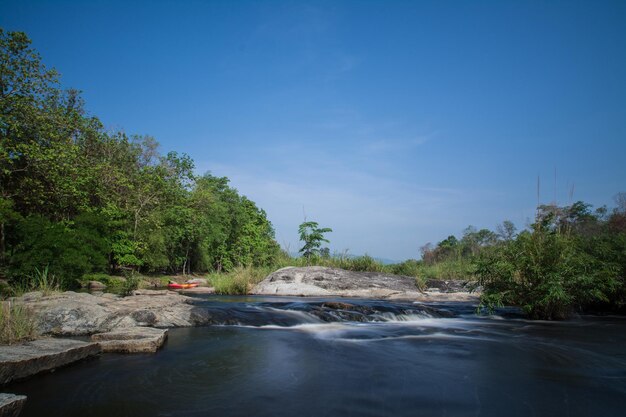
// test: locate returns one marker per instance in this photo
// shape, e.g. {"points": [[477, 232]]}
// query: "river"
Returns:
{"points": [[312, 357]]}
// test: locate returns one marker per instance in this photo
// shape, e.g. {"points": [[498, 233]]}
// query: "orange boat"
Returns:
{"points": [[177, 286]]}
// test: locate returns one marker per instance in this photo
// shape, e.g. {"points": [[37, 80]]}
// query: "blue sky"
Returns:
{"points": [[396, 123]]}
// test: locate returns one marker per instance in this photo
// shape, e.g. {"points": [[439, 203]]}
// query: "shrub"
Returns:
{"points": [[68, 251], [131, 283], [544, 272], [111, 281]]}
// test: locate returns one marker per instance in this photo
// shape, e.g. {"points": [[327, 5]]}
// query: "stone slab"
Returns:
{"points": [[30, 358], [131, 340]]}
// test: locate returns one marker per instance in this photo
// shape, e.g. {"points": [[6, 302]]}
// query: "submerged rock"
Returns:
{"points": [[26, 359], [132, 340], [11, 404]]}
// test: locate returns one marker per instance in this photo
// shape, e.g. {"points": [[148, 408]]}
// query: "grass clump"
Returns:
{"points": [[237, 282], [448, 270], [17, 323], [45, 282]]}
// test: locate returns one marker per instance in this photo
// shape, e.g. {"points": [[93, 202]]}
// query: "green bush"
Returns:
{"points": [[544, 272], [131, 284], [111, 281], [65, 251]]}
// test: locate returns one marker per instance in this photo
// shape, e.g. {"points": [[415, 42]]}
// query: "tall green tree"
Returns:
{"points": [[60, 167]]}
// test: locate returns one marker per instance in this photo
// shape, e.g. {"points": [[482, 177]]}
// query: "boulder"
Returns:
{"points": [[131, 340], [79, 314], [30, 358], [11, 404], [450, 285], [317, 281], [320, 281], [96, 285], [199, 281], [198, 290]]}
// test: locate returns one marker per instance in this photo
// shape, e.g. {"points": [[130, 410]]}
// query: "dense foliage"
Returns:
{"points": [[77, 199], [570, 259]]}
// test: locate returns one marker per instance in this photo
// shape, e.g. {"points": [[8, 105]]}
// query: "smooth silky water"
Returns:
{"points": [[295, 357]]}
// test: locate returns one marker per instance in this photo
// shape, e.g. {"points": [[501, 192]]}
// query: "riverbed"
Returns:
{"points": [[270, 356]]}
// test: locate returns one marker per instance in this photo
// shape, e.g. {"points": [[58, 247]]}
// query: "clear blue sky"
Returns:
{"points": [[395, 123]]}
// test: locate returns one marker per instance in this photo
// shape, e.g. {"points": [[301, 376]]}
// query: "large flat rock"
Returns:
{"points": [[26, 359], [11, 404], [317, 281], [131, 340], [79, 314]]}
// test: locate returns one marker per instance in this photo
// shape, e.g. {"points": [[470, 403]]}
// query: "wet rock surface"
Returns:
{"points": [[26, 359], [295, 313]]}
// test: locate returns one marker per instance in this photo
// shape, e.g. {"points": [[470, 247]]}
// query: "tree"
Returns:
{"points": [[312, 236], [506, 231]]}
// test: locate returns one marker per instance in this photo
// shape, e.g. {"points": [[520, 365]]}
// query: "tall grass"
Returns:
{"points": [[40, 280], [45, 282], [448, 269], [17, 323], [239, 281]]}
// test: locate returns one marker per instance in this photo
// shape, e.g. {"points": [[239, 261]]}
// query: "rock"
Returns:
{"points": [[152, 292], [96, 285], [322, 281], [449, 285], [77, 314], [198, 290], [26, 359], [199, 281], [11, 404], [316, 281], [132, 340]]}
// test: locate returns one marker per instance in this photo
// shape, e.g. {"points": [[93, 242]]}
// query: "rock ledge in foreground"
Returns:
{"points": [[11, 404], [26, 359]]}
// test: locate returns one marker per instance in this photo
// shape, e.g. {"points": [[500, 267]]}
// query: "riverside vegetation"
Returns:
{"points": [[79, 202]]}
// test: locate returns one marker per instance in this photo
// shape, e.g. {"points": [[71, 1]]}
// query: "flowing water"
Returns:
{"points": [[295, 357]]}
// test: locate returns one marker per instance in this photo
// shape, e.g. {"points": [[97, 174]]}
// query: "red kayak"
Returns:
{"points": [[177, 286]]}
